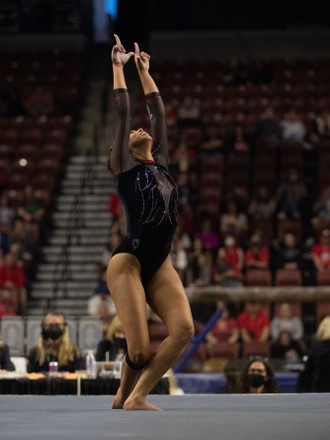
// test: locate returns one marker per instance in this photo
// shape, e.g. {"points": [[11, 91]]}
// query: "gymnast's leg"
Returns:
{"points": [[167, 297], [125, 286]]}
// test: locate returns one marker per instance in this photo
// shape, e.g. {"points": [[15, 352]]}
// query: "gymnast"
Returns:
{"points": [[140, 271]]}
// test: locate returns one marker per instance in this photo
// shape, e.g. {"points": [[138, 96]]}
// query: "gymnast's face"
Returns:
{"points": [[139, 139]]}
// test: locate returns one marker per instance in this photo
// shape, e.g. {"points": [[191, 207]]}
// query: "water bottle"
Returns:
{"points": [[91, 367]]}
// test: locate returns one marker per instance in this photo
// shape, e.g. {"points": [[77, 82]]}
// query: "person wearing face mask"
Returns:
{"points": [[114, 345], [257, 377], [54, 345]]}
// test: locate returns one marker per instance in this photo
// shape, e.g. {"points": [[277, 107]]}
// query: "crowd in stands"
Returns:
{"points": [[38, 95]]}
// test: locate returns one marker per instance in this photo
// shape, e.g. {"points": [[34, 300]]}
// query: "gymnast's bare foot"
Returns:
{"points": [[118, 401], [139, 404]]}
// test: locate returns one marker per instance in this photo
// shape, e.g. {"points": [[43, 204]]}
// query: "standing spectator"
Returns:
{"points": [[253, 323], [257, 377]]}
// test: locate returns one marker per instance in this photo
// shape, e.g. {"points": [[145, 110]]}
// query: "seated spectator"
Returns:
{"points": [[286, 348], [321, 128], [7, 213], [315, 377], [210, 238], [212, 144], [188, 112], [232, 221], [183, 158], [199, 271], [101, 304], [262, 205], [225, 329], [257, 256], [253, 323], [237, 141], [5, 362], [291, 195], [293, 127], [234, 254], [225, 274], [114, 345], [257, 377], [8, 302], [321, 210], [269, 127], [54, 345], [179, 257], [320, 251], [12, 277], [285, 321], [289, 254], [113, 242], [32, 208]]}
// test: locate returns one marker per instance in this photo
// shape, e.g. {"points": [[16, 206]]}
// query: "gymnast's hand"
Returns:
{"points": [[118, 54], [141, 59]]}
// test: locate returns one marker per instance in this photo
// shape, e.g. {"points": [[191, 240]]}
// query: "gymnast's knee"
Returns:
{"points": [[185, 333], [137, 359]]}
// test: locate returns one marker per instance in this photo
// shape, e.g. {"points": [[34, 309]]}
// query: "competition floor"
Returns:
{"points": [[206, 417]]}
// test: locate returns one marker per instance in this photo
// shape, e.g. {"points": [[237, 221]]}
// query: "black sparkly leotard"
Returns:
{"points": [[147, 191]]}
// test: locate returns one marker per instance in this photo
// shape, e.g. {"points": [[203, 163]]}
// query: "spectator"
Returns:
{"points": [[285, 321], [7, 213], [179, 257], [113, 241], [5, 362], [101, 303], [8, 302], [31, 209], [320, 252], [291, 195], [257, 256], [289, 254], [269, 127], [114, 346], [54, 345], [254, 324], [224, 273], [188, 112], [12, 277], [321, 129], [237, 141], [284, 347], [234, 254], [262, 206], [232, 221], [257, 377], [315, 377], [225, 329], [209, 237], [212, 144], [321, 210], [292, 127]]}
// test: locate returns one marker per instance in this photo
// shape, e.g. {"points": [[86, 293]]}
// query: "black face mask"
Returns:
{"points": [[256, 380], [121, 343], [53, 332]]}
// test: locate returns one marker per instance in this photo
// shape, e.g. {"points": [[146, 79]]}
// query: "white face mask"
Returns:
{"points": [[229, 242]]}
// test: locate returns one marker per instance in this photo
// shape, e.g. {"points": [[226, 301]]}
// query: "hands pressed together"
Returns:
{"points": [[119, 56]]}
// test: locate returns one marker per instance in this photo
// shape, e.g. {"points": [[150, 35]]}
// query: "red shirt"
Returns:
{"points": [[323, 252], [262, 255], [253, 324], [224, 329], [15, 274]]}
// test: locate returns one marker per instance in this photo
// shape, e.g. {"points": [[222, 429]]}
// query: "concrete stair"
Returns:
{"points": [[89, 234]]}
